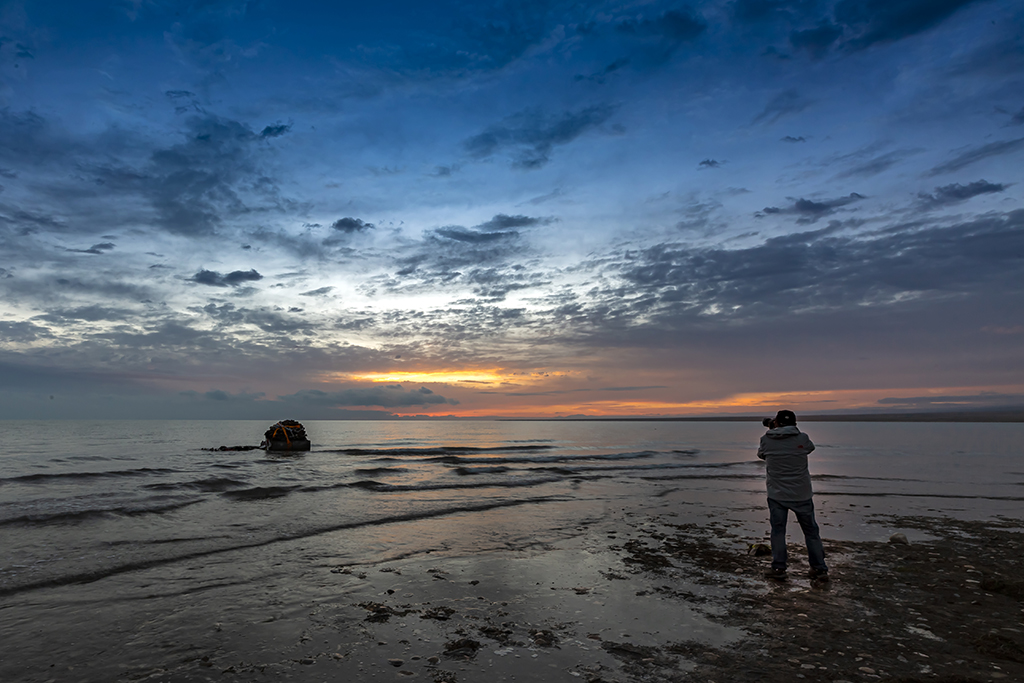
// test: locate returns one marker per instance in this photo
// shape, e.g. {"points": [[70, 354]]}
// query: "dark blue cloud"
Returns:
{"points": [[869, 22], [321, 291], [956, 193], [809, 211], [770, 11], [212, 278], [816, 41], [976, 154], [384, 396], [96, 249], [503, 221], [876, 164], [786, 103], [676, 25], [823, 269], [350, 225], [530, 136], [458, 234], [276, 130]]}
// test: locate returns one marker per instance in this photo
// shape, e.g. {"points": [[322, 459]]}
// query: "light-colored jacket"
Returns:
{"points": [[784, 451]]}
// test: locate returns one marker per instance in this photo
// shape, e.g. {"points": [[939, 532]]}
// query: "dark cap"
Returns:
{"points": [[785, 418]]}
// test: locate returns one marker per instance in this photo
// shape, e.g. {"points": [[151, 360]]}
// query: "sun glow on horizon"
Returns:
{"points": [[813, 402], [494, 376]]}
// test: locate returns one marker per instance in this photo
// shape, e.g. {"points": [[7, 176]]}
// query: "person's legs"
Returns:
{"points": [[777, 514], [804, 511]]}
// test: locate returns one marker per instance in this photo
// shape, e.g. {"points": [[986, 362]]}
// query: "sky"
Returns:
{"points": [[312, 210]]}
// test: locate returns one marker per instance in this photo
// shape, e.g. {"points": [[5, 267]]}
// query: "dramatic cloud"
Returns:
{"points": [[530, 136], [821, 269], [458, 234], [816, 41], [881, 21], [233, 279], [977, 154], [810, 211], [276, 130], [100, 248], [673, 25], [878, 164], [353, 202], [386, 397], [956, 193], [322, 291], [784, 104], [504, 222], [219, 395], [351, 225]]}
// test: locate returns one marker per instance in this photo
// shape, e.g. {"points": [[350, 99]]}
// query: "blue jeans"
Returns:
{"points": [[804, 510]]}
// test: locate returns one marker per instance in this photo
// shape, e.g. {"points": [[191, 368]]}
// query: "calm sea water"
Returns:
{"points": [[131, 514], [84, 500]]}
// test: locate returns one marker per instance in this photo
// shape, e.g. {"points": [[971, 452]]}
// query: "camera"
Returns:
{"points": [[769, 422]]}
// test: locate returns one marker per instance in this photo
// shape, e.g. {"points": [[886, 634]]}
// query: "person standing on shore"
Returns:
{"points": [[784, 449]]}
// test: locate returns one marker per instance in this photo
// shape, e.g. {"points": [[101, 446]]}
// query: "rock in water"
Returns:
{"points": [[899, 538]]}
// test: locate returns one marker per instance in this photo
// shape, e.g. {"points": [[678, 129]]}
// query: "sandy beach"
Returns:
{"points": [[638, 598]]}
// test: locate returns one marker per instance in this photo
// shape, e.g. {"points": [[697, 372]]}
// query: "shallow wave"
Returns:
{"points": [[380, 470], [469, 471], [371, 485], [439, 451], [460, 460], [76, 516], [907, 494], [85, 476], [577, 469], [710, 475], [853, 477], [260, 492], [211, 485], [105, 572]]}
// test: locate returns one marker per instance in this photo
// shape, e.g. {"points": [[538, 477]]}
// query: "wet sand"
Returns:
{"points": [[643, 597]]}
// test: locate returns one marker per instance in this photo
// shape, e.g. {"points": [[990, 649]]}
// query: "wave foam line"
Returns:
{"points": [[380, 487], [459, 460], [442, 450], [881, 494], [141, 472], [80, 515]]}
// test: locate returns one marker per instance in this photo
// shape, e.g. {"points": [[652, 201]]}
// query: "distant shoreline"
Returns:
{"points": [[1016, 415]]}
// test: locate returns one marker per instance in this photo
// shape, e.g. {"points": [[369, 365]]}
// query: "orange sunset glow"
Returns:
{"points": [[437, 376], [554, 403]]}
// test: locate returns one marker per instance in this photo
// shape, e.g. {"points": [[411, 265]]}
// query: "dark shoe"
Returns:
{"points": [[818, 575], [776, 574]]}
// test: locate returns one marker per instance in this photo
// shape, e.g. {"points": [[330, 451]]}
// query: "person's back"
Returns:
{"points": [[784, 449]]}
